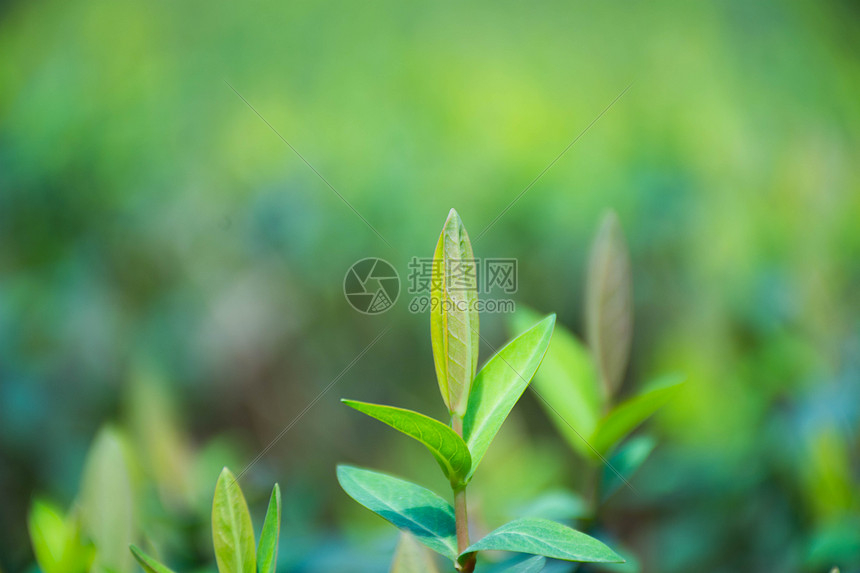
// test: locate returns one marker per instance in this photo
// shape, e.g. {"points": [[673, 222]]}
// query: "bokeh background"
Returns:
{"points": [[168, 265]]}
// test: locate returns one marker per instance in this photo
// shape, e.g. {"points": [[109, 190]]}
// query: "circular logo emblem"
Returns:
{"points": [[371, 285]]}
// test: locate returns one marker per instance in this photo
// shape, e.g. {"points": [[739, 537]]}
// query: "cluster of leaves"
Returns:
{"points": [[233, 532], [579, 383], [478, 402]]}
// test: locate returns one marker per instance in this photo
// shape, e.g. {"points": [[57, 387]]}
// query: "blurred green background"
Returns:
{"points": [[167, 264]]}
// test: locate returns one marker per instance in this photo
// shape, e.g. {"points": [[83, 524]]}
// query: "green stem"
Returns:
{"points": [[461, 515]]}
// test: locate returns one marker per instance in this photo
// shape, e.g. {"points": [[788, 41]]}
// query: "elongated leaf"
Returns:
{"points": [[412, 557], [447, 447], [548, 538], [454, 314], [267, 551], [530, 565], [408, 506], [568, 383], [148, 564], [107, 513], [232, 532], [609, 303], [626, 459], [499, 385], [557, 504], [628, 415]]}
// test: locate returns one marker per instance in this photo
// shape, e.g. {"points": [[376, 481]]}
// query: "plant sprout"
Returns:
{"points": [[478, 403]]}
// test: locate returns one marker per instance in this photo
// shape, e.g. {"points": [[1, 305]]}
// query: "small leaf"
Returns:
{"points": [[267, 551], [627, 416], [107, 513], [530, 565], [499, 385], [57, 543], [559, 505], [548, 538], [412, 557], [408, 506], [447, 447], [626, 459], [609, 303], [148, 564], [232, 532], [454, 314], [568, 384]]}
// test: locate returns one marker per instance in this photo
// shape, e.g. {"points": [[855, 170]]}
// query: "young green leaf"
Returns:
{"points": [[57, 543], [408, 506], [454, 314], [267, 551], [447, 447], [499, 385], [567, 382], [148, 564], [548, 538], [412, 557], [628, 415], [107, 514], [232, 532], [609, 303]]}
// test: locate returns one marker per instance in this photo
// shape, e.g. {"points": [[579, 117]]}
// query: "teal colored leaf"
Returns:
{"points": [[454, 314], [106, 503], [609, 303], [499, 385], [267, 550], [412, 557], [232, 532], [530, 565], [148, 564], [406, 505], [626, 459], [627, 416], [568, 383], [447, 447], [548, 538], [561, 505]]}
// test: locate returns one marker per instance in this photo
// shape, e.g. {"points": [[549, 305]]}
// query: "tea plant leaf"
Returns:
{"points": [[627, 416], [454, 314], [609, 303], [530, 565], [544, 537], [406, 505], [232, 532], [412, 557], [267, 551], [499, 385], [107, 514], [626, 460], [447, 447], [146, 562], [56, 540], [568, 381]]}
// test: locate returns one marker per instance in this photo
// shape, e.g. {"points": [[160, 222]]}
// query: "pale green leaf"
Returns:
{"points": [[609, 303], [412, 557], [406, 505], [544, 537], [267, 551], [454, 314], [447, 447], [56, 540], [557, 504], [499, 385], [232, 532], [148, 564], [106, 503], [627, 416], [567, 382]]}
